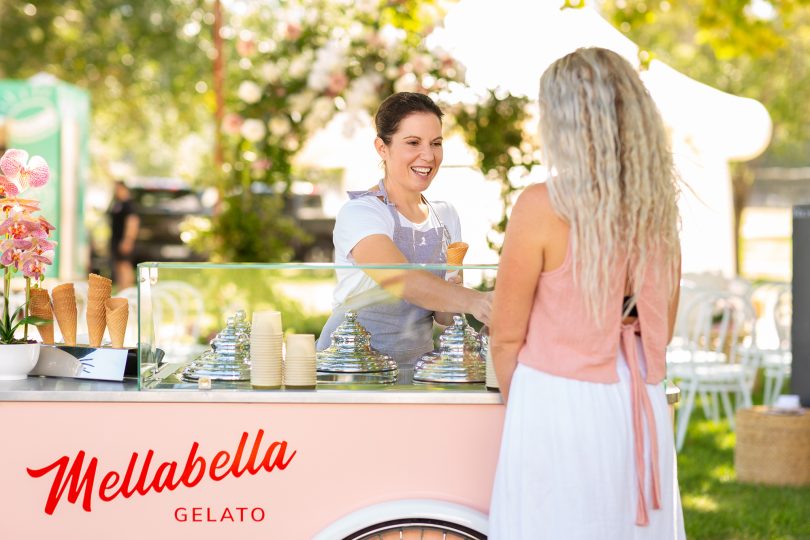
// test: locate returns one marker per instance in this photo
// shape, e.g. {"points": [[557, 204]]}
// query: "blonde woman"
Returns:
{"points": [[584, 306]]}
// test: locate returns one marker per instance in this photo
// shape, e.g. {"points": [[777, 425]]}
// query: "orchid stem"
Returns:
{"points": [[27, 301], [6, 288]]}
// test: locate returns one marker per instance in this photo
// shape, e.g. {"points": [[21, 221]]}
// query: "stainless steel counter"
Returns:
{"points": [[49, 389]]}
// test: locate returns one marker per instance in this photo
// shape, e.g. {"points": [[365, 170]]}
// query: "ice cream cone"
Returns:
{"points": [[98, 292], [456, 252], [41, 307], [96, 323], [64, 307], [96, 281], [117, 314]]}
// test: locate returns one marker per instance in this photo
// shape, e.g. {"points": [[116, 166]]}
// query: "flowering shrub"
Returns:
{"points": [[24, 243], [292, 67]]}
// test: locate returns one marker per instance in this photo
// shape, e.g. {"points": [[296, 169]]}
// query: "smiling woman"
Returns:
{"points": [[393, 223]]}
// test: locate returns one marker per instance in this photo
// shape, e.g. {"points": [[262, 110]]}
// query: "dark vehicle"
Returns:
{"points": [[162, 205], [305, 205], [307, 209]]}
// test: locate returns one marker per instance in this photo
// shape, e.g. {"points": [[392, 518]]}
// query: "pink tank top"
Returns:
{"points": [[563, 340]]}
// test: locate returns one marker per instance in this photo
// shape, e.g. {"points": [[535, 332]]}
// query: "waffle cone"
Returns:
{"points": [[117, 315], [456, 252], [41, 307], [63, 290], [99, 293], [65, 311], [96, 323], [95, 280], [115, 303]]}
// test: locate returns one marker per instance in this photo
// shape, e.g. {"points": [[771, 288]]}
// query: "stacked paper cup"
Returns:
{"points": [[265, 349], [491, 380], [299, 361]]}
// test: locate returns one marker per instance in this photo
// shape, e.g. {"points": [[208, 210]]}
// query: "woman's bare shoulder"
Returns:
{"points": [[536, 199]]}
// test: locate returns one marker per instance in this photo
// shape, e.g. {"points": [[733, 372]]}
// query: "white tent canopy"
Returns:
{"points": [[508, 44]]}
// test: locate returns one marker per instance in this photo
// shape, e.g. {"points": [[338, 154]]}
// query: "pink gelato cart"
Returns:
{"points": [[161, 456]]}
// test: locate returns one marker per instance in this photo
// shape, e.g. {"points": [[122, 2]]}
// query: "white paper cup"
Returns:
{"points": [[300, 345], [266, 322]]}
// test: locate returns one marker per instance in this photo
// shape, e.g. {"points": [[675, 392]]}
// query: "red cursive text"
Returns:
{"points": [[137, 478]]}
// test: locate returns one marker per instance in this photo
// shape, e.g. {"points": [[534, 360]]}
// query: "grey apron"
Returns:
{"points": [[399, 329]]}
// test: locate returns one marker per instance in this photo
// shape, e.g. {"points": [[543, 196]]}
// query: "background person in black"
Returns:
{"points": [[124, 223]]}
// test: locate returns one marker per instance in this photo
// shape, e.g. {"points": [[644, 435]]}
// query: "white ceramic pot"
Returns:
{"points": [[17, 360]]}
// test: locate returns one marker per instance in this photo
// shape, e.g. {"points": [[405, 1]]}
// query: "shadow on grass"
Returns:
{"points": [[716, 506]]}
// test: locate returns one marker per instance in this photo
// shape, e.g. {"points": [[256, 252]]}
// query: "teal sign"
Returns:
{"points": [[51, 119]]}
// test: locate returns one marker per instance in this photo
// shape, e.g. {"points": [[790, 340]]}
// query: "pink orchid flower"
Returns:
{"points": [[13, 204], [46, 226], [7, 188], [22, 171], [40, 246], [11, 257], [21, 225], [14, 243], [34, 265]]}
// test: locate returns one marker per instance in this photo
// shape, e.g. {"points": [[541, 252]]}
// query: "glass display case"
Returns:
{"points": [[202, 325]]}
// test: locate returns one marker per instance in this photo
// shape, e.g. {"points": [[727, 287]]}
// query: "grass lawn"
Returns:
{"points": [[716, 506]]}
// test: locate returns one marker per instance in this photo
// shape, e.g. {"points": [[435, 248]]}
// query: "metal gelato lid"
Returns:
{"points": [[228, 359], [458, 359], [350, 353]]}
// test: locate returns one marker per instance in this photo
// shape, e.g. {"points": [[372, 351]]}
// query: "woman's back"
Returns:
{"points": [[562, 337]]}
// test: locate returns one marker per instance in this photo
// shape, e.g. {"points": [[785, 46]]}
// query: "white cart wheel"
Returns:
{"points": [[416, 519]]}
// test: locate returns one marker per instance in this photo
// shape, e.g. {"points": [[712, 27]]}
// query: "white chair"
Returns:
{"points": [[177, 311], [775, 301], [718, 357]]}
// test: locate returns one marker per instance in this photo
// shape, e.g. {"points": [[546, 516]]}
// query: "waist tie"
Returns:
{"points": [[641, 401]]}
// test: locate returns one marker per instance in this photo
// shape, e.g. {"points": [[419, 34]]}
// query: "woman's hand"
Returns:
{"points": [[480, 305]]}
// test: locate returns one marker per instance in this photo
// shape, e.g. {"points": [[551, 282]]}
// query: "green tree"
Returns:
{"points": [[290, 65], [753, 48], [756, 49], [140, 61]]}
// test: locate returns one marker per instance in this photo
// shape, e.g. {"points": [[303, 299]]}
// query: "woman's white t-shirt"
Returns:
{"points": [[369, 215]]}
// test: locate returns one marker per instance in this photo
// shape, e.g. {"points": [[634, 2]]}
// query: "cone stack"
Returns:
{"points": [[64, 307], [98, 292], [41, 307], [117, 313]]}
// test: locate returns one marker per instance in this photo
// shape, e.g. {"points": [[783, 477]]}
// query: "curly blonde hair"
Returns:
{"points": [[613, 178]]}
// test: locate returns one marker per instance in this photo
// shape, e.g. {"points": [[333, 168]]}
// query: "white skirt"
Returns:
{"points": [[566, 468]]}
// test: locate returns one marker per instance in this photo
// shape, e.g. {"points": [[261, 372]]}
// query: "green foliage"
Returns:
{"points": [[149, 68], [253, 227], [717, 506], [495, 127], [134, 58], [764, 55]]}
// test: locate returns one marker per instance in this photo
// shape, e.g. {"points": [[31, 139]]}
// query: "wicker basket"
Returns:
{"points": [[773, 448]]}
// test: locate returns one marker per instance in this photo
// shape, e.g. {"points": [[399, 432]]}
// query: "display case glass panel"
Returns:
{"points": [[183, 307]]}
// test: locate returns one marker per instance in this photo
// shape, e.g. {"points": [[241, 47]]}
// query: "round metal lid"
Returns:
{"points": [[458, 359], [228, 359], [351, 352]]}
